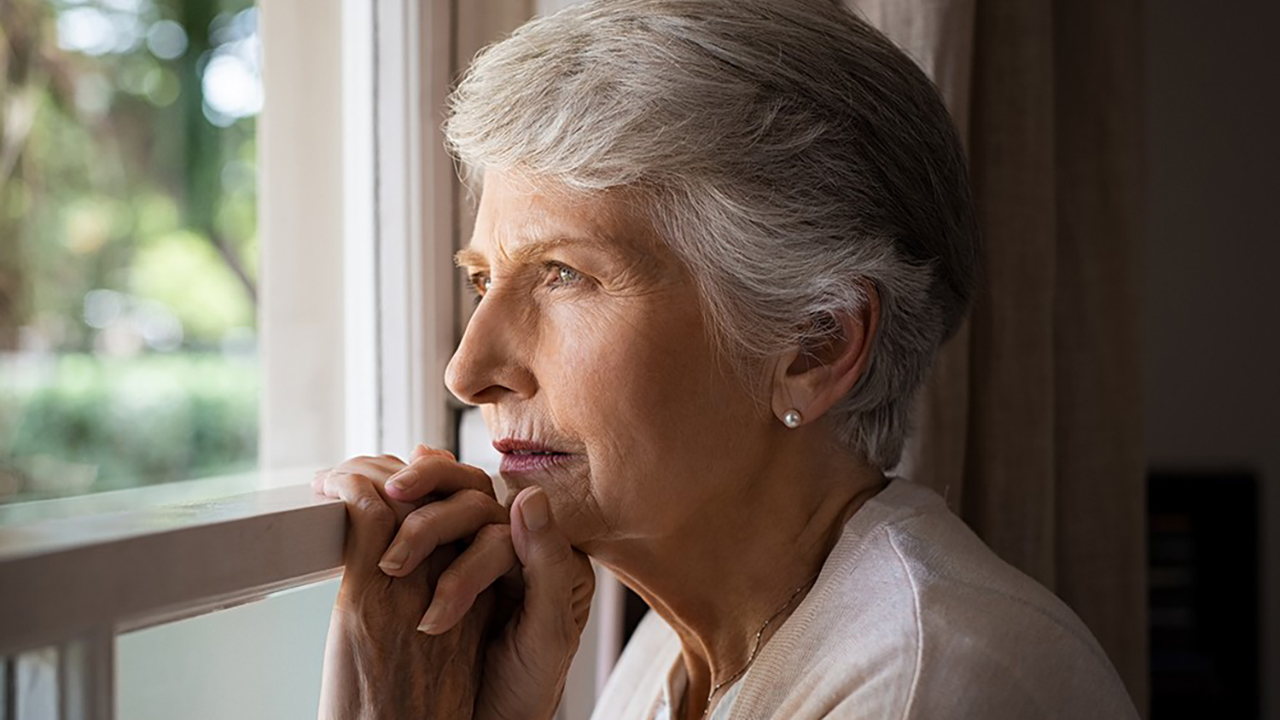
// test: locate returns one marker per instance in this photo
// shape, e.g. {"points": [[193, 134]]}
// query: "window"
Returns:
{"points": [[358, 217], [128, 235]]}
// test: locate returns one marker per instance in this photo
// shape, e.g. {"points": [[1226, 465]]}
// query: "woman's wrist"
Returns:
{"points": [[405, 675]]}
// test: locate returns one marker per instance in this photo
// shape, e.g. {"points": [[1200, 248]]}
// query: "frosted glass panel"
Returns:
{"points": [[259, 661]]}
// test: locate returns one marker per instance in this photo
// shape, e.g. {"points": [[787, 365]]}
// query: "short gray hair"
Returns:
{"points": [[790, 154]]}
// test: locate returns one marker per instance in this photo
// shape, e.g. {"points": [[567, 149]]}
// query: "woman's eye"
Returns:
{"points": [[563, 275], [480, 283]]}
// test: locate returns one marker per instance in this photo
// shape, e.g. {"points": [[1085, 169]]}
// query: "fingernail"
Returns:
{"points": [[431, 621], [535, 510], [398, 482], [394, 558]]}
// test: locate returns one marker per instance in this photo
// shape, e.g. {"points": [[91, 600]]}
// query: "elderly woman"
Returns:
{"points": [[718, 245]]}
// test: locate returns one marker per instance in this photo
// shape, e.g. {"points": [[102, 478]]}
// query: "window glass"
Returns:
{"points": [[128, 248]]}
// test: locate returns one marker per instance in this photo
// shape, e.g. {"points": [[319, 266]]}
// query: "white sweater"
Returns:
{"points": [[911, 617]]}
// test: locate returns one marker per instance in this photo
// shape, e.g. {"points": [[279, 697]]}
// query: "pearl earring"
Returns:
{"points": [[792, 419]]}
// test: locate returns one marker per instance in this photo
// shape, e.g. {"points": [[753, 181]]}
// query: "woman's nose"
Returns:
{"points": [[486, 366]]}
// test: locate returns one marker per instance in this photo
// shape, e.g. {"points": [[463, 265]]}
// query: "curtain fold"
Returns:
{"points": [[1030, 422]]}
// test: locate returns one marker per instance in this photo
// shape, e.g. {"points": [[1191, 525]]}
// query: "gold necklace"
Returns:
{"points": [[755, 650]]}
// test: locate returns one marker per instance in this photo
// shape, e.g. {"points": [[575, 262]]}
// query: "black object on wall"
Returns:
{"points": [[1202, 557]]}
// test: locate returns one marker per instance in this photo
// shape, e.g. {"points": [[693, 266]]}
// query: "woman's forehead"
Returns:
{"points": [[519, 219]]}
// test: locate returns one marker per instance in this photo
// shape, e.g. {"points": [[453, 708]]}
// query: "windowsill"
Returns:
{"points": [[81, 565], [182, 491]]}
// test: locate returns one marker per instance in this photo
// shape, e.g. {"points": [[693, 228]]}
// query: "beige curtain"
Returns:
{"points": [[1030, 424]]}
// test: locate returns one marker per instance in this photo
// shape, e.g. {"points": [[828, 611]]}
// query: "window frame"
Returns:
{"points": [[382, 176]]}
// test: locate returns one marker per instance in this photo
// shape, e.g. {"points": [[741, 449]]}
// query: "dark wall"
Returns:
{"points": [[1212, 315]]}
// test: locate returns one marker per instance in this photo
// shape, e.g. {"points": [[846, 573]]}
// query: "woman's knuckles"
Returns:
{"points": [[481, 503], [420, 476], [421, 529], [497, 532], [468, 513], [375, 512]]}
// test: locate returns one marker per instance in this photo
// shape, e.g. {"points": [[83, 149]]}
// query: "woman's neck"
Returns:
{"points": [[718, 580]]}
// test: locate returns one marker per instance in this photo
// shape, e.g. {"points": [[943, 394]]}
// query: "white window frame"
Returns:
{"points": [[399, 188], [77, 573]]}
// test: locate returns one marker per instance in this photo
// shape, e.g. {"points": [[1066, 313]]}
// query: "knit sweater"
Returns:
{"points": [[912, 616]]}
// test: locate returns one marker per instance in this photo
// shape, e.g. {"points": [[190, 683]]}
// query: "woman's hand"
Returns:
{"points": [[376, 665], [545, 586]]}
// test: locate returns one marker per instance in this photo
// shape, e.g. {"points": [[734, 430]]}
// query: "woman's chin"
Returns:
{"points": [[560, 479]]}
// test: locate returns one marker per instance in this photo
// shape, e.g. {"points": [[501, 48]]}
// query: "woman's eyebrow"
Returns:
{"points": [[469, 258], [524, 252]]}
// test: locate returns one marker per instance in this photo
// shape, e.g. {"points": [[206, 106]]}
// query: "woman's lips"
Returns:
{"points": [[519, 463], [526, 456]]}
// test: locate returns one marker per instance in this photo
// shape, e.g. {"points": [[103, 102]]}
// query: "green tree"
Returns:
{"points": [[125, 194]]}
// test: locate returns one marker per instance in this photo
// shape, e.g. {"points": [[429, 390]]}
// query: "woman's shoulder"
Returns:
{"points": [[957, 587], [914, 616]]}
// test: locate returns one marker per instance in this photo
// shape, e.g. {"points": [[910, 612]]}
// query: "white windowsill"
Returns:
{"points": [[83, 565], [183, 491]]}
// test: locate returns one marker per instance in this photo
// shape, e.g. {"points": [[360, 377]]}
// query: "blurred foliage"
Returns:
{"points": [[109, 151], [184, 273], [92, 424], [128, 242]]}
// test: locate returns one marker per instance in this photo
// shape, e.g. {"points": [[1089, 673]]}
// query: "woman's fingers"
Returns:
{"points": [[489, 557], [437, 473], [374, 472], [430, 470], [371, 466], [558, 580], [372, 520], [421, 450], [456, 517]]}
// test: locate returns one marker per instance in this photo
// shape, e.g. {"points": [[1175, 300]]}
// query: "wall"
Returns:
{"points": [[1212, 298]]}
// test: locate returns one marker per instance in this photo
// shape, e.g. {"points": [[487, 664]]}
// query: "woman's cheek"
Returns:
{"points": [[573, 341]]}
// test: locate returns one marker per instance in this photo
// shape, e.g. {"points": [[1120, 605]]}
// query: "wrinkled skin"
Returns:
{"points": [[377, 666], [589, 345], [506, 613]]}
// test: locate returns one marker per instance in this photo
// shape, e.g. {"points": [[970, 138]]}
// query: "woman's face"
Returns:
{"points": [[588, 341]]}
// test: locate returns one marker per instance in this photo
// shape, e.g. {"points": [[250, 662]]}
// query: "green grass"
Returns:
{"points": [[82, 423]]}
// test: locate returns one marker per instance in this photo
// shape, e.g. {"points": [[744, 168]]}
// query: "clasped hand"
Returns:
{"points": [[505, 596]]}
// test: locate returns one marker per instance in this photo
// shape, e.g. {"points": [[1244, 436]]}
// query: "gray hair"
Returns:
{"points": [[790, 155]]}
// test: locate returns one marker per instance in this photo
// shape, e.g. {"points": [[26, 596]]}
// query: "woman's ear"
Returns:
{"points": [[813, 378]]}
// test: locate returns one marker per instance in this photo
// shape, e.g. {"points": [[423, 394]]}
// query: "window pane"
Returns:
{"points": [[259, 661], [128, 249]]}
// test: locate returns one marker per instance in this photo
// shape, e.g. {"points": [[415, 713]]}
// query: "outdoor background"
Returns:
{"points": [[128, 249]]}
